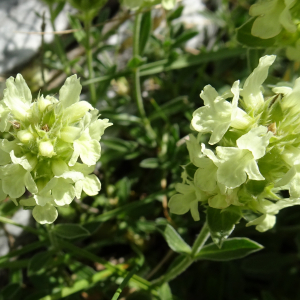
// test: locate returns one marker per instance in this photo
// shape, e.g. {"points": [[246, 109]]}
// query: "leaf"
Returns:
{"points": [[79, 34], [164, 292], [175, 14], [135, 62], [123, 187], [244, 36], [234, 248], [146, 26], [38, 263], [59, 7], [119, 144], [149, 163], [183, 61], [221, 223], [11, 291], [169, 108], [174, 240], [253, 57], [70, 231], [184, 37]]}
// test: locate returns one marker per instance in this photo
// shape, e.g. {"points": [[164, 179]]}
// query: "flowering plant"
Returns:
{"points": [[257, 153], [45, 139]]}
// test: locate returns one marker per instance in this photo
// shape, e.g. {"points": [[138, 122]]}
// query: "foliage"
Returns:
{"points": [[123, 242]]}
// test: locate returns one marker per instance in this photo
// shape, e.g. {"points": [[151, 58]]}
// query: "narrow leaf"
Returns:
{"points": [[164, 292], [149, 163], [175, 14], [174, 240], [146, 26], [184, 37], [70, 231], [234, 248], [38, 262], [119, 144]]}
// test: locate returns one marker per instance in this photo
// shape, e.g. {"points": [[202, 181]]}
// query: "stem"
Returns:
{"points": [[26, 228], [187, 260], [138, 281], [124, 283], [137, 94], [43, 27], [200, 240], [136, 76], [89, 58], [52, 237], [60, 50]]}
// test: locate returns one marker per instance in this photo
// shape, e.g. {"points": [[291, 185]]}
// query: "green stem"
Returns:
{"points": [[140, 282], [43, 27], [60, 50], [136, 77], [52, 237], [26, 228], [124, 283], [187, 260], [200, 240], [89, 58]]}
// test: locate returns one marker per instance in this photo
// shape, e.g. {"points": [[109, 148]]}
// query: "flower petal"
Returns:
{"points": [[70, 91], [252, 94], [46, 214], [256, 141], [17, 97]]}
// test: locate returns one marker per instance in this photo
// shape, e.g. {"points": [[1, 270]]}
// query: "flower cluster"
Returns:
{"points": [[253, 152], [45, 139], [280, 19]]}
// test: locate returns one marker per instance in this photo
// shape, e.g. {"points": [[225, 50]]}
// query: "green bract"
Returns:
{"points": [[257, 151], [47, 137]]}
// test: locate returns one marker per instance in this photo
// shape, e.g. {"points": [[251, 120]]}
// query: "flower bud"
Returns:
{"points": [[46, 149], [43, 103], [25, 136]]}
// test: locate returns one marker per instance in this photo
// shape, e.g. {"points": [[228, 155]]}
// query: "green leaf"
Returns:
{"points": [[174, 240], [253, 56], [146, 26], [231, 249], [175, 14], [70, 231], [59, 7], [164, 292], [79, 34], [184, 37], [119, 144], [149, 163], [221, 223], [176, 105], [10, 292], [135, 62], [244, 36], [39, 262]]}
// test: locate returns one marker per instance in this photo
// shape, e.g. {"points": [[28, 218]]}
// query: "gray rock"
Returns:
{"points": [[4, 248], [18, 16]]}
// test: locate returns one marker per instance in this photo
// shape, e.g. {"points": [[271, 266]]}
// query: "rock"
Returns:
{"points": [[18, 16]]}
